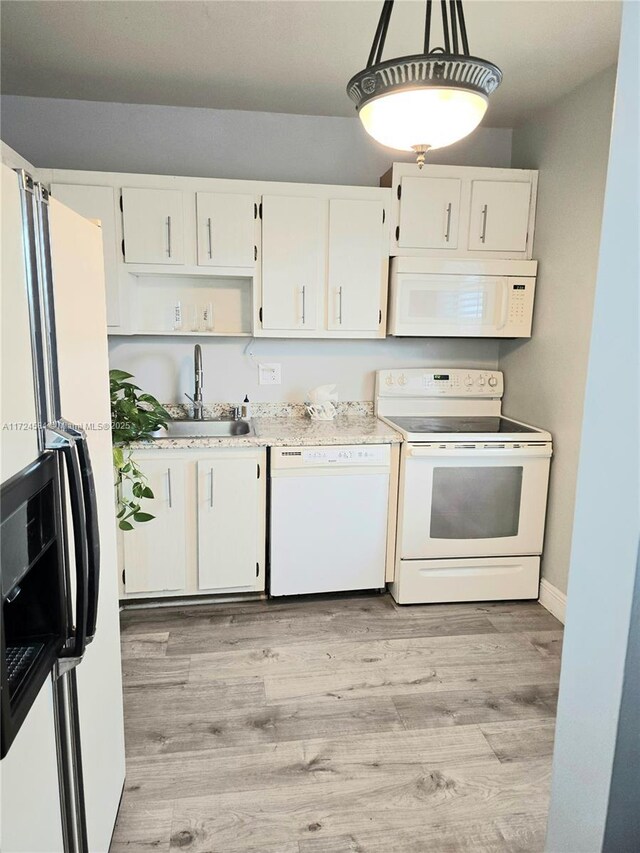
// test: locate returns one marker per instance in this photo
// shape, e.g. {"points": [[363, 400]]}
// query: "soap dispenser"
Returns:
{"points": [[246, 407]]}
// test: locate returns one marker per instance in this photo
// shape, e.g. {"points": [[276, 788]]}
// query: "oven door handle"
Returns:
{"points": [[531, 451]]}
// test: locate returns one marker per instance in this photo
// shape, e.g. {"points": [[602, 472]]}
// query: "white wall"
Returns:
{"points": [[606, 531], [545, 377], [91, 135], [165, 367]]}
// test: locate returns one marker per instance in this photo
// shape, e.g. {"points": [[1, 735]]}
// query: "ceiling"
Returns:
{"points": [[291, 56]]}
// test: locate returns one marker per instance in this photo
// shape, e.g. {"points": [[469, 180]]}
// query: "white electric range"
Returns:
{"points": [[473, 487]]}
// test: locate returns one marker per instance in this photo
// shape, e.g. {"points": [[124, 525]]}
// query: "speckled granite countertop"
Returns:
{"points": [[282, 425]]}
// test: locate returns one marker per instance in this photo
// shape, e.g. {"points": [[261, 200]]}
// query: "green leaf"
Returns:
{"points": [[124, 525], [147, 493], [143, 516]]}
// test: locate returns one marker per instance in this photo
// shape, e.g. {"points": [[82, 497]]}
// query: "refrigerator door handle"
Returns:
{"points": [[63, 437], [92, 532]]}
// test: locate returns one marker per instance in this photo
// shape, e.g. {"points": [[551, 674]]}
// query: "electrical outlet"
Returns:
{"points": [[270, 374]]}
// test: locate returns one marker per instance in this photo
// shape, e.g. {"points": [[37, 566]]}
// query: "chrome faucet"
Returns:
{"points": [[198, 406]]}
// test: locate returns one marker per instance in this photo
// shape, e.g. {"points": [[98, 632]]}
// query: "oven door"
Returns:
{"points": [[473, 500]]}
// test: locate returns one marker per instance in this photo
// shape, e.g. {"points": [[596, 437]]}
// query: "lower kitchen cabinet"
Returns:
{"points": [[208, 534], [154, 552], [228, 523]]}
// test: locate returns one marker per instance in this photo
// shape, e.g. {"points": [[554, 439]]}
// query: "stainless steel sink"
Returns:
{"points": [[214, 428]]}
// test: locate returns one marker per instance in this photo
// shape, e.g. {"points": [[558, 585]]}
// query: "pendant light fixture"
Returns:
{"points": [[426, 100]]}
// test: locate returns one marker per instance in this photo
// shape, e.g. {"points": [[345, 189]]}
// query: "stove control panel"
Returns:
{"points": [[442, 382]]}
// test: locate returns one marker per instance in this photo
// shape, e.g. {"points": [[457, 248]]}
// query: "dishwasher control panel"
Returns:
{"points": [[349, 455]]}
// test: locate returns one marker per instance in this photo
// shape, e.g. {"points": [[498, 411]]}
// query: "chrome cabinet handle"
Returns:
{"points": [[169, 487], [209, 232], [340, 305], [211, 488], [447, 228], [483, 232], [304, 304], [169, 236]]}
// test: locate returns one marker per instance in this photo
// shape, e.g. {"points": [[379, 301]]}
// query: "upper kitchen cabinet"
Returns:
{"points": [[429, 213], [324, 264], [98, 203], [293, 249], [153, 226], [499, 216], [461, 211], [226, 229], [356, 279]]}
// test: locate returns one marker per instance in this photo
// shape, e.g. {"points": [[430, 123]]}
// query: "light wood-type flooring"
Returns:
{"points": [[338, 725]]}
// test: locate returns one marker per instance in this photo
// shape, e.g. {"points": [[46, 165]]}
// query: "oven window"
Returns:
{"points": [[475, 502]]}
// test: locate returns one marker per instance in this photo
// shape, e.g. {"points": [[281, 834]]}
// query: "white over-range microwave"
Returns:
{"points": [[461, 298]]}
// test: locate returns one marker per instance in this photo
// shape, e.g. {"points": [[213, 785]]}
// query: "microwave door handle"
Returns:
{"points": [[63, 438], [504, 311], [92, 533]]}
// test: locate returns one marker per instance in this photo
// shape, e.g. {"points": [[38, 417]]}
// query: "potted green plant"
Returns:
{"points": [[134, 417]]}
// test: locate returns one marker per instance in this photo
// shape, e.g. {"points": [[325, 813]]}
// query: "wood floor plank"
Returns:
{"points": [[241, 634], [153, 672], [459, 837], [190, 730], [142, 827], [414, 679], [333, 655], [147, 645], [547, 643], [329, 809], [465, 707], [219, 696], [515, 619], [520, 740], [524, 833], [262, 767]]}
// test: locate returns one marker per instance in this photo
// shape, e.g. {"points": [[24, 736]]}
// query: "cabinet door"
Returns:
{"points": [[98, 203], [357, 251], [228, 505], [429, 213], [293, 245], [154, 552], [225, 230], [153, 226], [499, 216]]}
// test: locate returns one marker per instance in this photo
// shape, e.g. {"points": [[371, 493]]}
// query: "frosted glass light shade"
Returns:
{"points": [[423, 117]]}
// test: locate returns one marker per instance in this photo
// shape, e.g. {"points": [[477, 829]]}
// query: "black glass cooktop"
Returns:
{"points": [[419, 424]]}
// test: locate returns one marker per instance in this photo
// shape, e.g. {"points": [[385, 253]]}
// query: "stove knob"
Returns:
{"points": [[402, 379], [493, 381], [468, 380], [389, 380], [481, 381]]}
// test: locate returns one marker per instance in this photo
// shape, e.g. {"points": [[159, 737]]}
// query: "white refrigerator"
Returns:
{"points": [[62, 770]]}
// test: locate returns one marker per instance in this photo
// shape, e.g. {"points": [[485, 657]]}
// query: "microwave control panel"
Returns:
{"points": [[443, 382], [519, 308]]}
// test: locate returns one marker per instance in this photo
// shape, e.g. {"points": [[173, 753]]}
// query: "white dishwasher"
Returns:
{"points": [[329, 516]]}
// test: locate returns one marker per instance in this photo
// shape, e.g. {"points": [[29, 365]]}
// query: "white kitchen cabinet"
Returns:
{"points": [[228, 523], [462, 211], [226, 229], [499, 217], [94, 202], [209, 533], [154, 552], [356, 280], [153, 226], [429, 213], [293, 243]]}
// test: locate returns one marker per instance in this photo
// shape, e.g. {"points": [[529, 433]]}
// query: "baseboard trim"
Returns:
{"points": [[552, 599]]}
